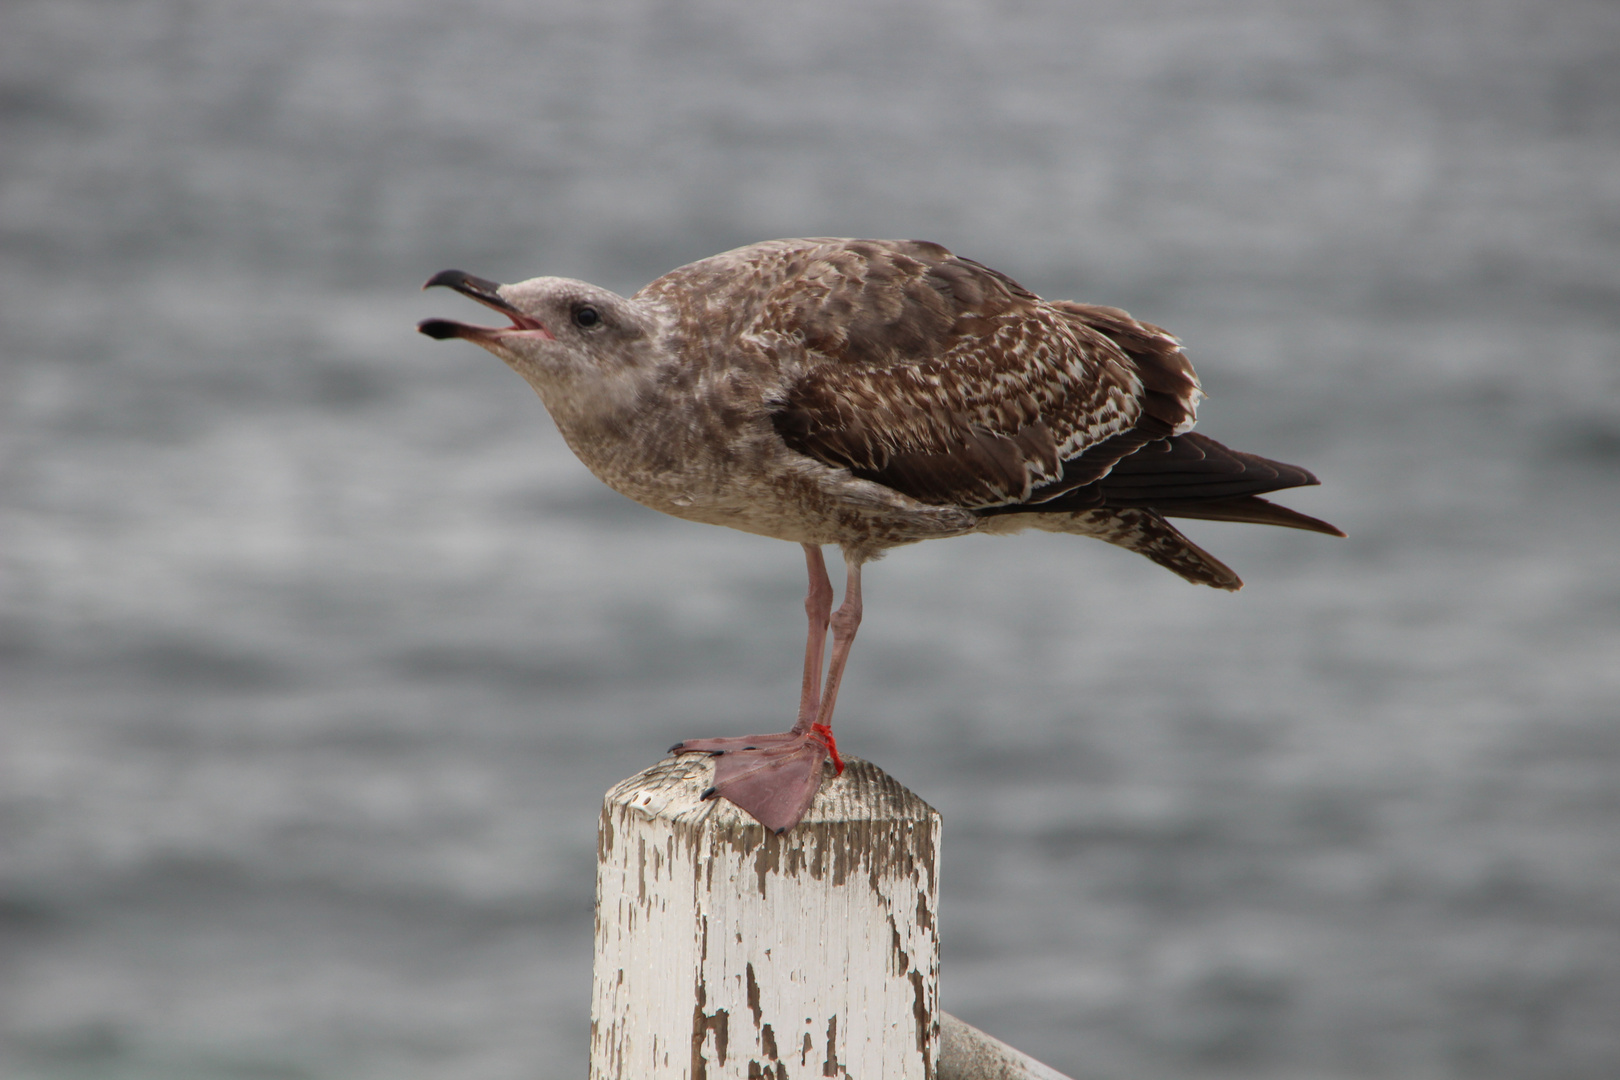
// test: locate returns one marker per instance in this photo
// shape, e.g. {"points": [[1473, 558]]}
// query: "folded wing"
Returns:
{"points": [[953, 384]]}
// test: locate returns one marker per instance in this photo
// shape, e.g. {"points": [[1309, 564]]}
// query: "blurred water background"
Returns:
{"points": [[320, 648]]}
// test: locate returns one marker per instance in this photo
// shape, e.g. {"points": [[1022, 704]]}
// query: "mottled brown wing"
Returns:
{"points": [[953, 384]]}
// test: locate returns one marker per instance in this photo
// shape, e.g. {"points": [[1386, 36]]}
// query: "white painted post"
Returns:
{"points": [[723, 950]]}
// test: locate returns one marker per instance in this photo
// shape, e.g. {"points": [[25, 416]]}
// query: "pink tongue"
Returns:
{"points": [[538, 328]]}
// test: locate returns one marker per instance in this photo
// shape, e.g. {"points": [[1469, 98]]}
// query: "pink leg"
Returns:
{"points": [[844, 625], [776, 777], [818, 606]]}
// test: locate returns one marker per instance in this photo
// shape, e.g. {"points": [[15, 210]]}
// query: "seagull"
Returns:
{"points": [[870, 394]]}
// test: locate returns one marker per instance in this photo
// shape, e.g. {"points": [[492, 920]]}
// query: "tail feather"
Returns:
{"points": [[1146, 533]]}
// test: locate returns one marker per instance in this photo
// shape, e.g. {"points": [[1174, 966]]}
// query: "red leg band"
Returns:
{"points": [[824, 732]]}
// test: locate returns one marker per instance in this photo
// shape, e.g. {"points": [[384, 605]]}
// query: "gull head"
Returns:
{"points": [[562, 333]]}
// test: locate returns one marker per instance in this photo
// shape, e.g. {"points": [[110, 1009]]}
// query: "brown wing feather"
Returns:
{"points": [[952, 383]]}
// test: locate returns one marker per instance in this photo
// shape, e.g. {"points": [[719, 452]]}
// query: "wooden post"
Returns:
{"points": [[723, 950]]}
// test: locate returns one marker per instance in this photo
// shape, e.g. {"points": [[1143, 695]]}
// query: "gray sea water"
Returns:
{"points": [[320, 648]]}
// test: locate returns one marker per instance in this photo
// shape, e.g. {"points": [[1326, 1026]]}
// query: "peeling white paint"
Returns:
{"points": [[725, 951]]}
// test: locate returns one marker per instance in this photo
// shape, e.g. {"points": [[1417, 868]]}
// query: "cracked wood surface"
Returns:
{"points": [[723, 950]]}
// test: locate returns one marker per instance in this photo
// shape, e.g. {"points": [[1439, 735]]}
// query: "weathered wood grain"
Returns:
{"points": [[723, 950]]}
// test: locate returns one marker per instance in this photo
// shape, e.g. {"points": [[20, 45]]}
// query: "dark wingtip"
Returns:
{"points": [[1247, 508], [439, 329], [1293, 519]]}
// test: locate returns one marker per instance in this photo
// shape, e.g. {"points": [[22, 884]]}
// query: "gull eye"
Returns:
{"points": [[586, 316]]}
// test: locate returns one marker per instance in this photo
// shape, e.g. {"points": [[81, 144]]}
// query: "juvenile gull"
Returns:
{"points": [[871, 393]]}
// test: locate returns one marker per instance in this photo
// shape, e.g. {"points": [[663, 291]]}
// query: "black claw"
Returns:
{"points": [[782, 830], [716, 753], [750, 748], [676, 748], [709, 794]]}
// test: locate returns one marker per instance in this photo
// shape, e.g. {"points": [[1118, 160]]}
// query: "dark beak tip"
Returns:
{"points": [[475, 288], [439, 329], [447, 278]]}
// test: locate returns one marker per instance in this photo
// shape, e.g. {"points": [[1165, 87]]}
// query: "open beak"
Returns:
{"points": [[486, 293]]}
